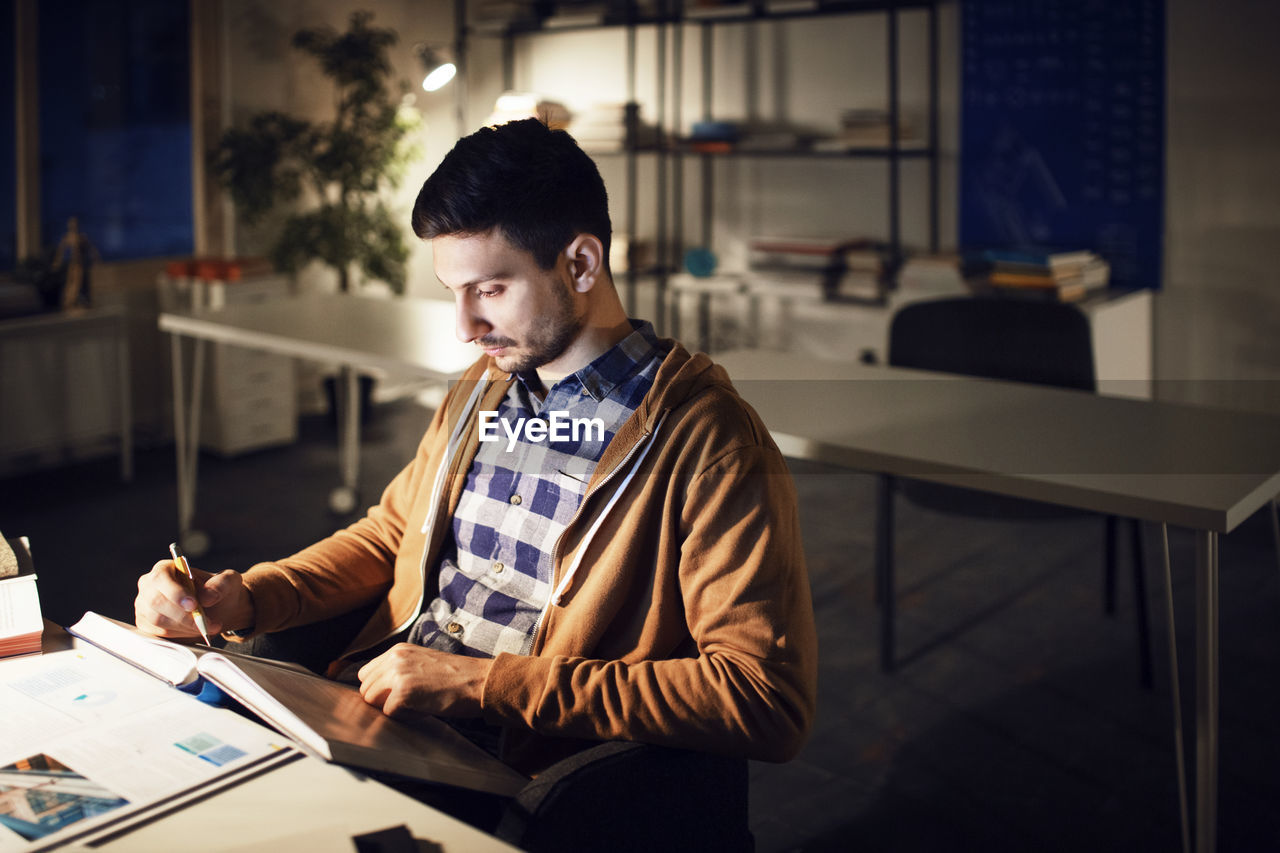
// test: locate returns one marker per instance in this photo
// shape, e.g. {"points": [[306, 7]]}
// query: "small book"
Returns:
{"points": [[21, 622], [1051, 259], [325, 718]]}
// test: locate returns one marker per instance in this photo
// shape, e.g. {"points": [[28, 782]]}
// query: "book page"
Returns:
{"points": [[221, 671], [20, 607], [167, 661], [88, 740]]}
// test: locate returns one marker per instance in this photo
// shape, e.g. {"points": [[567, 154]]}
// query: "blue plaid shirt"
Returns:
{"points": [[521, 493]]}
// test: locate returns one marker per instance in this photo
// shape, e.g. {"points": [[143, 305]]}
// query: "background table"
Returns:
{"points": [[413, 336], [1196, 467]]}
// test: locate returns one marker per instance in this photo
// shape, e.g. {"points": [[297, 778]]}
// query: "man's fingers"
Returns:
{"points": [[216, 587], [372, 689], [164, 602]]}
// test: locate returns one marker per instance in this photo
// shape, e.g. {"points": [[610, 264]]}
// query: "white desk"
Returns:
{"points": [[1200, 468], [407, 335], [57, 379], [298, 803], [305, 805]]}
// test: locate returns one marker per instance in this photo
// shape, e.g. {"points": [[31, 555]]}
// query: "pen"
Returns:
{"points": [[198, 613]]}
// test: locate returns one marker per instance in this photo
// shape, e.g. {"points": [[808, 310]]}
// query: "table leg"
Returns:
{"points": [[186, 439], [1175, 687], [884, 569], [343, 499], [1206, 691], [1275, 527], [126, 404]]}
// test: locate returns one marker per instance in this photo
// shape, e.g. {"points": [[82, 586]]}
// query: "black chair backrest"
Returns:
{"points": [[1023, 340]]}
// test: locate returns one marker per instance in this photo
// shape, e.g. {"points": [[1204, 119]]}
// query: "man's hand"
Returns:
{"points": [[409, 679], [164, 606]]}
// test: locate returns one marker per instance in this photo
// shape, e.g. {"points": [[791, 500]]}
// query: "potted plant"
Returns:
{"points": [[331, 174]]}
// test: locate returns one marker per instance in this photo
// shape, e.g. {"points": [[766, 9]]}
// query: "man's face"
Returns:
{"points": [[518, 313]]}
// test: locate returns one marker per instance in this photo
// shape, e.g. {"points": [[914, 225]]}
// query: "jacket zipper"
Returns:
{"points": [[436, 494], [555, 593]]}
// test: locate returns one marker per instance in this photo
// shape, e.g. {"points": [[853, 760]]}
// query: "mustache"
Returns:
{"points": [[492, 343]]}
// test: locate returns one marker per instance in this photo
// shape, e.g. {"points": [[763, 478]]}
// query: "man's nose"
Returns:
{"points": [[470, 325]]}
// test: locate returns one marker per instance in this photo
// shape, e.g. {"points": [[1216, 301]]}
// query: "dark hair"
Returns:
{"points": [[531, 183]]}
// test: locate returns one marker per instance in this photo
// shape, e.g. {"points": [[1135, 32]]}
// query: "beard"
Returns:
{"points": [[546, 342]]}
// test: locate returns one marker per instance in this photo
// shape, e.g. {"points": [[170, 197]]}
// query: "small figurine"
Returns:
{"points": [[80, 254]]}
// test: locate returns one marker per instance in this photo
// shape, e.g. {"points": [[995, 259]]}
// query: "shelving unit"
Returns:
{"points": [[674, 231]]}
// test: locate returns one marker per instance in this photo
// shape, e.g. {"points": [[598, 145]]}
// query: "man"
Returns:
{"points": [[597, 539]]}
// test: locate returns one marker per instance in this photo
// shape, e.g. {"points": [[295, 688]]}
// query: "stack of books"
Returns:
{"points": [[498, 16], [21, 623], [870, 128], [851, 270], [575, 13], [1064, 275], [605, 128]]}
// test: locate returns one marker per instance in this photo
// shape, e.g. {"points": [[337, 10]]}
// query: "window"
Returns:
{"points": [[8, 152], [115, 132]]}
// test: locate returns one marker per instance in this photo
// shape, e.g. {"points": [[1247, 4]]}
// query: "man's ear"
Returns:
{"points": [[586, 261]]}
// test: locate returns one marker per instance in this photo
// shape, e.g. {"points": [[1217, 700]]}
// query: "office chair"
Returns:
{"points": [[624, 797], [1013, 339]]}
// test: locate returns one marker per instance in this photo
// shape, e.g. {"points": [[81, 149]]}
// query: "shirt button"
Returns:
{"points": [[515, 500], [453, 628], [497, 568]]}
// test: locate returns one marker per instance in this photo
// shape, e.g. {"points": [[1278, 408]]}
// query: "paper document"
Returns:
{"points": [[87, 742]]}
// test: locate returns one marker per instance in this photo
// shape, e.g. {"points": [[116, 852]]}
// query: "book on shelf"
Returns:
{"points": [[1067, 281], [610, 128], [713, 9], [567, 15], [849, 269], [870, 128], [497, 16], [21, 622], [323, 717], [780, 7], [802, 252], [1039, 258]]}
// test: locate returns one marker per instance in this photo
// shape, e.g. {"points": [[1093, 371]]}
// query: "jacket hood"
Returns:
{"points": [[681, 377]]}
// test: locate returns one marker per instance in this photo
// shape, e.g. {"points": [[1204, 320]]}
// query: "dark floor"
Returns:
{"points": [[1015, 722]]}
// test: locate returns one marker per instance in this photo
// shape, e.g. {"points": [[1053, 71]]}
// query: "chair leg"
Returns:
{"points": [[1140, 602], [1110, 548], [1275, 527], [884, 569]]}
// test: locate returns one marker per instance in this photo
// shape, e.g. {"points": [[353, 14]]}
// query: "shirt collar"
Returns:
{"points": [[619, 363], [613, 367]]}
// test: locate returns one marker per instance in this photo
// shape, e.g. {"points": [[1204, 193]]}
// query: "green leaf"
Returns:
{"points": [[347, 161]]}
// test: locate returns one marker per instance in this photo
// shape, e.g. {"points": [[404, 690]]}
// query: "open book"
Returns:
{"points": [[324, 717]]}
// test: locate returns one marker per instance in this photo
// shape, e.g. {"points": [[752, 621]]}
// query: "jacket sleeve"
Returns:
{"points": [[353, 566], [746, 681]]}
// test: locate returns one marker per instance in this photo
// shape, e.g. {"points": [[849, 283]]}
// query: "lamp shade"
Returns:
{"points": [[439, 70]]}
